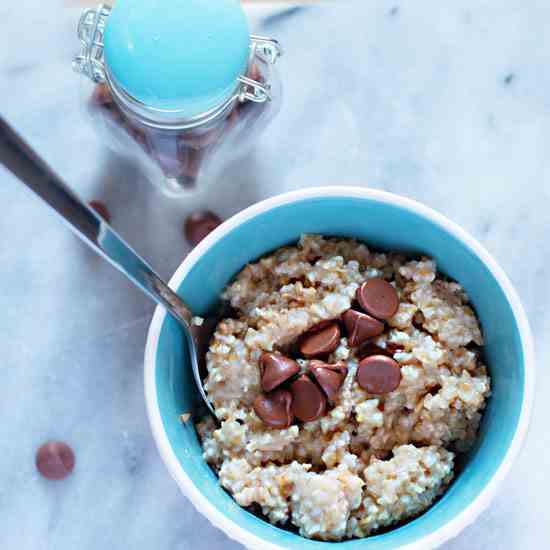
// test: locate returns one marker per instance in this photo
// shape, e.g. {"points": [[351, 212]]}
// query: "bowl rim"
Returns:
{"points": [[209, 510]]}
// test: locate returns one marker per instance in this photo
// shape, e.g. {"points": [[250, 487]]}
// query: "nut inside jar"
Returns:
{"points": [[181, 153]]}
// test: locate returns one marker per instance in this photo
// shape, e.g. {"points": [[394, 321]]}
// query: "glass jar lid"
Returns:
{"points": [[184, 55], [173, 61]]}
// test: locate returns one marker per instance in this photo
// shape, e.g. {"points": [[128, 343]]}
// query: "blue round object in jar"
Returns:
{"points": [[183, 55]]}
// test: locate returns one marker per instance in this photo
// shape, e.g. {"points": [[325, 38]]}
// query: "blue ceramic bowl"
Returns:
{"points": [[381, 220]]}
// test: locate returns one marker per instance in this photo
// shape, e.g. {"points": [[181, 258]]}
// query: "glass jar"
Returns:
{"points": [[180, 87]]}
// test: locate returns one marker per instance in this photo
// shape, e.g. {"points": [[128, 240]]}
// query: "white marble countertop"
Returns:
{"points": [[446, 102]]}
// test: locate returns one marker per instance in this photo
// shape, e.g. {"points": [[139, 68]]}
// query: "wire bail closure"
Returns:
{"points": [[91, 28], [269, 50]]}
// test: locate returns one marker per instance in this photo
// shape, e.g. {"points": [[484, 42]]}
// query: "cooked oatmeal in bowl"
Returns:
{"points": [[346, 383], [338, 416]]}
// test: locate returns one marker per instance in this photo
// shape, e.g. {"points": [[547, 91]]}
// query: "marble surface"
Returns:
{"points": [[446, 102]]}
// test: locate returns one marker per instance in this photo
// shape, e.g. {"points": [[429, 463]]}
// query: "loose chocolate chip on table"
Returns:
{"points": [[276, 369], [361, 327], [275, 408], [323, 341], [199, 224], [101, 209], [55, 460], [379, 298], [308, 401], [378, 374], [329, 376]]}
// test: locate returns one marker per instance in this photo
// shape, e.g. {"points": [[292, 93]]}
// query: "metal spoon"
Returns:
{"points": [[20, 159]]}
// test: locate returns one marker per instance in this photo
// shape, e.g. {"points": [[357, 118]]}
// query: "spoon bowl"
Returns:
{"points": [[362, 214]]}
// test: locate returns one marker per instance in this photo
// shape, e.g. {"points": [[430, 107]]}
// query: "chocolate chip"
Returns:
{"points": [[101, 209], [168, 161], [321, 342], [379, 298], [199, 224], [141, 137], [275, 408], [232, 119], [329, 376], [308, 401], [378, 374], [361, 327], [200, 138], [55, 460], [254, 73], [320, 326], [116, 116], [101, 95], [276, 369], [370, 348], [189, 160]]}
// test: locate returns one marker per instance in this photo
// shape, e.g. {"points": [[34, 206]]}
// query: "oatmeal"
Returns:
{"points": [[344, 387]]}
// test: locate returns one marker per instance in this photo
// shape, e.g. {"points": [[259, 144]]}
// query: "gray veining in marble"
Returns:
{"points": [[446, 102]]}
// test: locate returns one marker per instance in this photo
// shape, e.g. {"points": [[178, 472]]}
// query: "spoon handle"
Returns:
{"points": [[20, 159]]}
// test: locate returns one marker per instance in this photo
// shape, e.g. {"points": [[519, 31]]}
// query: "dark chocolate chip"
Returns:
{"points": [[379, 298], [379, 374], [322, 341], [254, 73], [189, 160], [101, 209], [275, 408], [55, 460], [308, 401], [101, 95], [276, 369], [199, 224], [361, 327], [329, 376]]}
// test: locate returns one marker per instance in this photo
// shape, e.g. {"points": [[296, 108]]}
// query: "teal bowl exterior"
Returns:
{"points": [[384, 221]]}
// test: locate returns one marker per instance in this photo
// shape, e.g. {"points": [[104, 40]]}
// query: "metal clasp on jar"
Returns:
{"points": [[269, 50], [91, 28]]}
